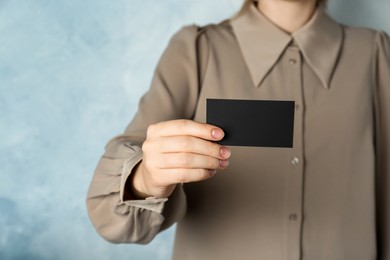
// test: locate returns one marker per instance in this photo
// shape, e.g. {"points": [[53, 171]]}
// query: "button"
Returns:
{"points": [[292, 61], [295, 161], [293, 217]]}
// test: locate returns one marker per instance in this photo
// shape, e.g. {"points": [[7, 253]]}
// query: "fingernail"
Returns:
{"points": [[217, 134], [224, 163], [212, 172], [224, 152]]}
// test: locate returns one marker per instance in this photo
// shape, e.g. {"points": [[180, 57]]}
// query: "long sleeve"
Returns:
{"points": [[173, 94], [382, 75]]}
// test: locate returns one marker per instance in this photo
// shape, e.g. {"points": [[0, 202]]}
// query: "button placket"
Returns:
{"points": [[294, 178]]}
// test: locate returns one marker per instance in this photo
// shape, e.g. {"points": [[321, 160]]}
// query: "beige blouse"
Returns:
{"points": [[327, 198]]}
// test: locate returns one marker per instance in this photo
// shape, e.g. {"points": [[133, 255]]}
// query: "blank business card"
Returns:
{"points": [[260, 123]]}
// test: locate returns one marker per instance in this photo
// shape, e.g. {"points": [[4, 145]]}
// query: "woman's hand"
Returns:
{"points": [[178, 151]]}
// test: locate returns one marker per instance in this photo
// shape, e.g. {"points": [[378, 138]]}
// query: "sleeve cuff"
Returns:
{"points": [[151, 203]]}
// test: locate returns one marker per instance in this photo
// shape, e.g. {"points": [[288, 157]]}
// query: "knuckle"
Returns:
{"points": [[189, 126], [185, 160], [186, 143], [149, 147], [213, 149], [151, 130], [214, 163], [154, 161], [145, 146], [183, 124]]}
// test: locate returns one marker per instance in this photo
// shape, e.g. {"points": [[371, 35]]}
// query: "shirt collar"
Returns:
{"points": [[262, 43]]}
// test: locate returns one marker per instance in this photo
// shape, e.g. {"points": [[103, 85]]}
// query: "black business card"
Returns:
{"points": [[261, 123]]}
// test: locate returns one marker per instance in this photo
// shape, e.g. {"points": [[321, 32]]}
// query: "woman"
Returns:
{"points": [[326, 198]]}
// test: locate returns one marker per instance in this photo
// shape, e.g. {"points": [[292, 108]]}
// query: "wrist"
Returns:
{"points": [[134, 186], [138, 184]]}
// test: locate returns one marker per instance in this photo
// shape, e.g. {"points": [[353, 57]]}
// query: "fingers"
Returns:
{"points": [[185, 128], [187, 175], [189, 161], [180, 151], [189, 144]]}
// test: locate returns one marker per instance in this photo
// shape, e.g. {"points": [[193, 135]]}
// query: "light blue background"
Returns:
{"points": [[71, 74]]}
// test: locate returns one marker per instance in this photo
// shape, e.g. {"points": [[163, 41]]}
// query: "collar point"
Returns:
{"points": [[325, 85]]}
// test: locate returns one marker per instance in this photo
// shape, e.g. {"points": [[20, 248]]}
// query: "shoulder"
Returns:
{"points": [[192, 33], [365, 36]]}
